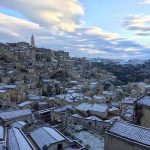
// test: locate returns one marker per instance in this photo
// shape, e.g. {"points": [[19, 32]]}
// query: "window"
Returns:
{"points": [[59, 147], [90, 123]]}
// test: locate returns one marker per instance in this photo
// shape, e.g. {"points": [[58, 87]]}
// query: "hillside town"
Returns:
{"points": [[51, 101]]}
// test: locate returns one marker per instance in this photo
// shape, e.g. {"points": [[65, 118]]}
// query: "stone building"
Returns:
{"points": [[39, 138], [142, 111], [91, 122], [51, 139], [126, 136], [127, 108], [32, 42], [86, 109]]}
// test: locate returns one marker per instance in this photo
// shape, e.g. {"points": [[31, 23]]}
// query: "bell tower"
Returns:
{"points": [[32, 42]]}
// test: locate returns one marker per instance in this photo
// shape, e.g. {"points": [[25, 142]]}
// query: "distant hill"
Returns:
{"points": [[131, 71]]}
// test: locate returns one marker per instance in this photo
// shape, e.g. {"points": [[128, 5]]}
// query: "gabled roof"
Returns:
{"points": [[14, 114], [99, 108], [113, 109], [84, 107], [18, 124], [62, 109], [46, 136], [131, 132], [144, 101], [24, 103], [17, 141], [1, 133], [76, 115], [93, 118]]}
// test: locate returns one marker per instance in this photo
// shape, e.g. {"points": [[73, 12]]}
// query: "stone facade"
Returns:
{"points": [[114, 143]]}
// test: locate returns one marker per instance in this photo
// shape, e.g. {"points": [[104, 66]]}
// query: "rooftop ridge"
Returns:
{"points": [[125, 122], [49, 133]]}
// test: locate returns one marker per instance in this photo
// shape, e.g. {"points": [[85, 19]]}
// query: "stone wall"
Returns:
{"points": [[115, 143], [145, 120]]}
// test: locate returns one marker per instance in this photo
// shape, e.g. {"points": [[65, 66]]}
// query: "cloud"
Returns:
{"points": [[99, 32], [62, 15], [138, 23], [142, 34], [18, 29], [144, 2], [57, 25]]}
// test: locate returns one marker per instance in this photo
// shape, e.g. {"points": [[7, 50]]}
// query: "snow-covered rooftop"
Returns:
{"points": [[36, 97], [93, 83], [115, 104], [1, 132], [24, 103], [74, 81], [99, 97], [17, 140], [46, 80], [68, 96], [113, 109], [44, 110], [61, 109], [129, 101], [18, 124], [99, 108], [3, 91], [93, 118], [51, 98], [129, 110], [13, 114], [43, 103], [147, 86], [131, 132], [92, 107], [46, 136], [76, 115], [144, 101], [84, 107], [111, 120], [110, 93], [7, 86]]}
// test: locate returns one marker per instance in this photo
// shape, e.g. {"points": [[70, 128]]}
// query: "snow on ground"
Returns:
{"points": [[95, 141], [89, 138]]}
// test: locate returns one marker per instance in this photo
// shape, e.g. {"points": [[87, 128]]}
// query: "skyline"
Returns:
{"points": [[83, 28]]}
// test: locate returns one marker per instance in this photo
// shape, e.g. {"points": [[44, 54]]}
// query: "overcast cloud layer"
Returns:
{"points": [[57, 24]]}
